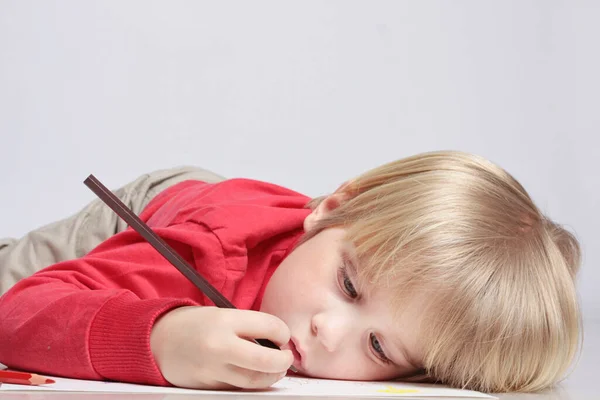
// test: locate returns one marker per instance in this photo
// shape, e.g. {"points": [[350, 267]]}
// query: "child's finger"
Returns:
{"points": [[252, 356], [248, 379], [258, 325]]}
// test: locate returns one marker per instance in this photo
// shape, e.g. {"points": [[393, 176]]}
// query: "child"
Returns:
{"points": [[435, 267]]}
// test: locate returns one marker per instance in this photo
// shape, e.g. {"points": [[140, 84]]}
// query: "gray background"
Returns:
{"points": [[304, 94]]}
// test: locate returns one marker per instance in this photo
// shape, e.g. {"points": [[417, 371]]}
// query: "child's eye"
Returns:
{"points": [[377, 347], [347, 285]]}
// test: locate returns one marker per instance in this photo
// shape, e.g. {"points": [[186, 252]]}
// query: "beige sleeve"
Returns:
{"points": [[78, 234]]}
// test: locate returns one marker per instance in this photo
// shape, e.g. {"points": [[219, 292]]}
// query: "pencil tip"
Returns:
{"points": [[49, 381]]}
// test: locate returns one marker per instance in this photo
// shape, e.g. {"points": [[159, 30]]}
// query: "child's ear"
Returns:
{"points": [[326, 206]]}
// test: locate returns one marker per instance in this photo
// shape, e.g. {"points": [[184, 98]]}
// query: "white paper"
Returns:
{"points": [[288, 386]]}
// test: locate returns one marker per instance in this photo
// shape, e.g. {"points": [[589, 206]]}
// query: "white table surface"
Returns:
{"points": [[583, 383]]}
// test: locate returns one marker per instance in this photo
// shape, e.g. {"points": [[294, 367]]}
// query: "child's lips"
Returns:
{"points": [[297, 352]]}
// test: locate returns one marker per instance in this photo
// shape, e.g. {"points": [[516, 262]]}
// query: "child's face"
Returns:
{"points": [[339, 337]]}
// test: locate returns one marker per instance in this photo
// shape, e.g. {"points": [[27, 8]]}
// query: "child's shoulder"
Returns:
{"points": [[190, 199], [234, 189]]}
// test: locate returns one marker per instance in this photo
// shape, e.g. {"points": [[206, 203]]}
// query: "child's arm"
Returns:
{"points": [[94, 317], [91, 317]]}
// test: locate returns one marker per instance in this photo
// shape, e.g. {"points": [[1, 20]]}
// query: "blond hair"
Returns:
{"points": [[502, 311]]}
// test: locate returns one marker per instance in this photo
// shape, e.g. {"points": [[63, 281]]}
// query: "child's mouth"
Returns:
{"points": [[297, 357]]}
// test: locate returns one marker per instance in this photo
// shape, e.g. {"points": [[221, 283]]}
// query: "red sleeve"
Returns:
{"points": [[90, 318]]}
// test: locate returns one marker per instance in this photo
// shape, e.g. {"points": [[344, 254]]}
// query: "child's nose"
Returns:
{"points": [[330, 330]]}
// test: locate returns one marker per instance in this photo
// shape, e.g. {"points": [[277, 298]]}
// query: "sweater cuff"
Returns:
{"points": [[119, 339]]}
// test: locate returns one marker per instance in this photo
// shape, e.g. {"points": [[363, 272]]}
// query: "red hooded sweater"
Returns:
{"points": [[91, 318]]}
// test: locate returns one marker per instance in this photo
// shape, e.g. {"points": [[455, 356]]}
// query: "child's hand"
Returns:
{"points": [[209, 348]]}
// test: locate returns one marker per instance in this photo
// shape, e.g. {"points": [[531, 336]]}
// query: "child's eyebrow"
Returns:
{"points": [[400, 349], [406, 355], [404, 350]]}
